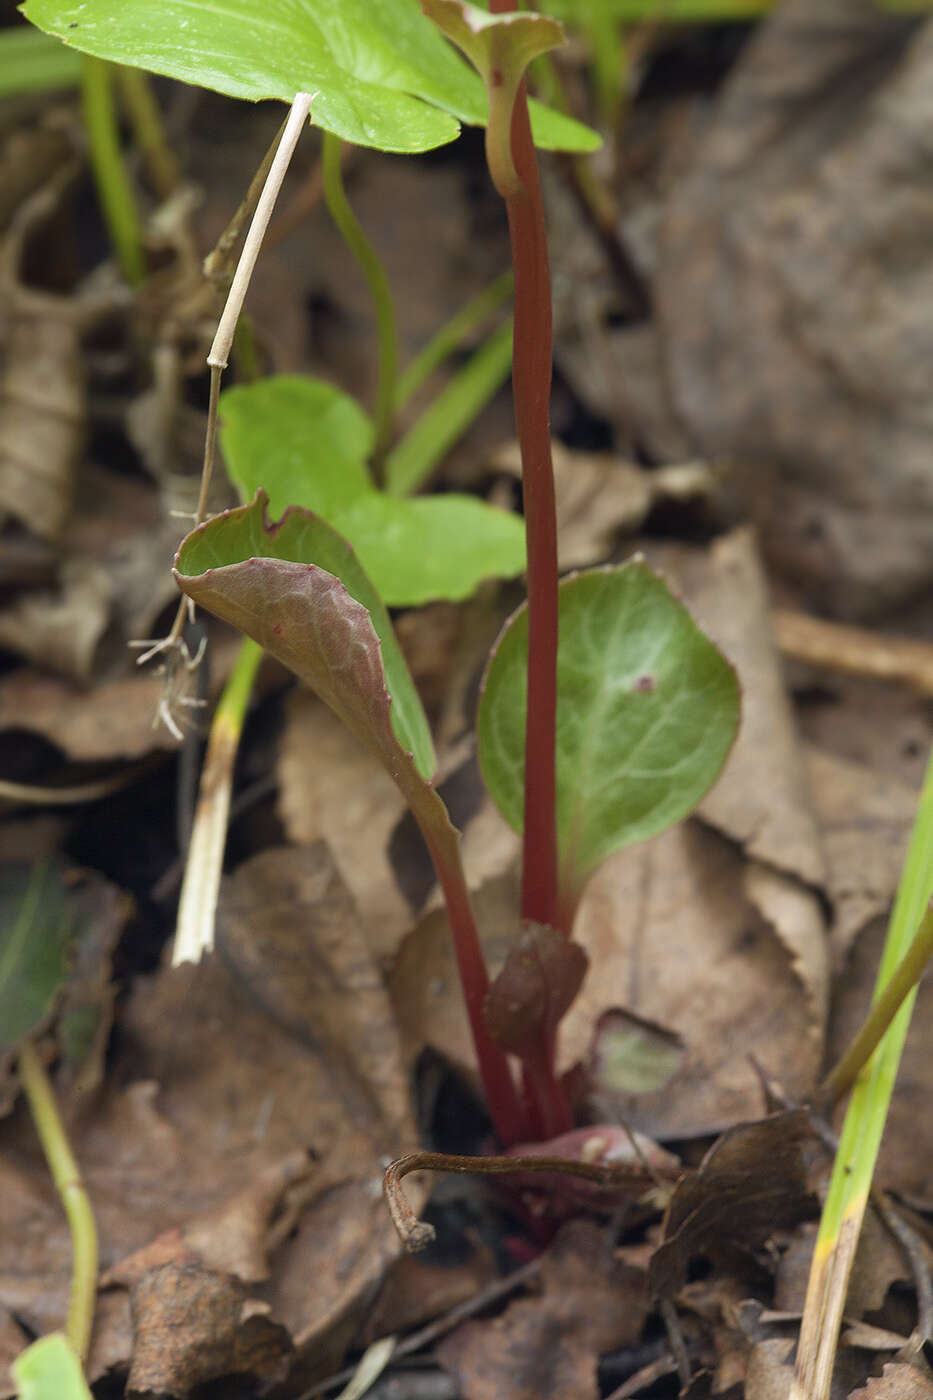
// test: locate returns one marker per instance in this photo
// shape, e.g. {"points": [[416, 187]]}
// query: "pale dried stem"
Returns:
{"points": [[855, 651]]}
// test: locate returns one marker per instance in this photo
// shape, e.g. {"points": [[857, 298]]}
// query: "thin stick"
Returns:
{"points": [[219, 352], [415, 1234], [71, 1190], [855, 651], [197, 907], [220, 349]]}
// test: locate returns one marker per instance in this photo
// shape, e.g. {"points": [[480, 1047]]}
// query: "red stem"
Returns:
{"points": [[531, 383], [545, 1094], [507, 1112]]}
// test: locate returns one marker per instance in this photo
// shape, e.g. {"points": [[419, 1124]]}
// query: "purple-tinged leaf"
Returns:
{"points": [[297, 589], [536, 985]]}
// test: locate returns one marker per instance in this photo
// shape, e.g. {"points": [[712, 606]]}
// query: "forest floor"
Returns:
{"points": [[739, 395]]}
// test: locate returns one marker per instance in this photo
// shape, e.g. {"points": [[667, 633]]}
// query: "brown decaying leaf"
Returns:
{"points": [[672, 937], [42, 393], [115, 720], [61, 628], [417, 1289], [548, 1346], [331, 787], [794, 317], [899, 1380], [191, 1325], [751, 1183], [212, 1093], [600, 497], [865, 816], [762, 799]]}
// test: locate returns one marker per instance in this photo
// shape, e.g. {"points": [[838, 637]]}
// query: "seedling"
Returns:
{"points": [[632, 685], [606, 714]]}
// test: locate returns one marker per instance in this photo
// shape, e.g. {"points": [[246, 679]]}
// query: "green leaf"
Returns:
{"points": [[298, 590], [302, 440], [384, 77], [35, 929], [416, 551], [304, 443], [647, 711], [50, 1370]]}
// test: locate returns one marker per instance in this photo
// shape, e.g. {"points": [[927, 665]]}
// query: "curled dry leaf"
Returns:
{"points": [[751, 1183], [670, 929]]}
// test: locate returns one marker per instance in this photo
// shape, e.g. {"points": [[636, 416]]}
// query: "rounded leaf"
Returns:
{"points": [[647, 711]]}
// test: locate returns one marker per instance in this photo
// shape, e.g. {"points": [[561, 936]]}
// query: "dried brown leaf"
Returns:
{"points": [[751, 1183], [42, 390], [766, 275], [61, 628], [332, 788], [225, 1072], [549, 1346], [865, 815], [898, 1381], [672, 937], [192, 1325]]}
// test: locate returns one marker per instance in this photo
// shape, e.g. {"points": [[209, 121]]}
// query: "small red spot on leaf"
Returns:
{"points": [[495, 77], [646, 683]]}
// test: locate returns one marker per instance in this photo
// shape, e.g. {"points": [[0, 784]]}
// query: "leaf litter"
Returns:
{"points": [[234, 1145]]}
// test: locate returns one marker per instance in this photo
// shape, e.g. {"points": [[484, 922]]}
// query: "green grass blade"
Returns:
{"points": [[860, 1139], [439, 427], [448, 338]]}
